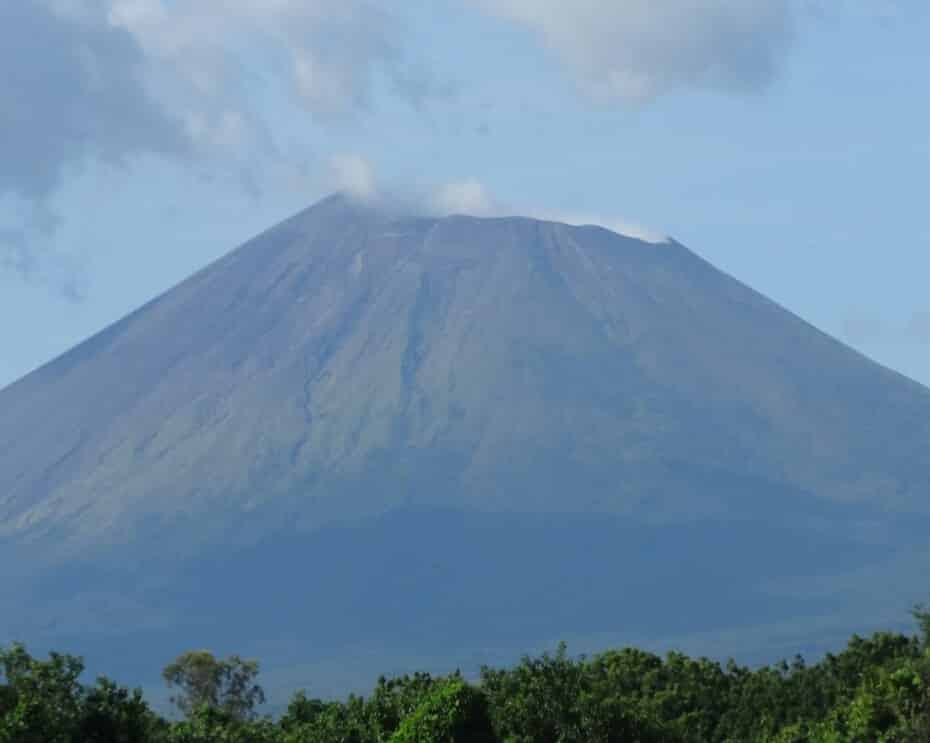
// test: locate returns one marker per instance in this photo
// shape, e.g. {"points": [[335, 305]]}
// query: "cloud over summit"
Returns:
{"points": [[356, 177], [108, 81], [258, 93]]}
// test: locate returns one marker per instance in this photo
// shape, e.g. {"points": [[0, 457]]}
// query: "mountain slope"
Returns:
{"points": [[348, 367]]}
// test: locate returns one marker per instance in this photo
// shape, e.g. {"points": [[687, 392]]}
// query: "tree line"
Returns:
{"points": [[876, 690]]}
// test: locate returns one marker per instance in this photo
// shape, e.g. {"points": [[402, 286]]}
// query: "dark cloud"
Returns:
{"points": [[106, 81], [70, 91]]}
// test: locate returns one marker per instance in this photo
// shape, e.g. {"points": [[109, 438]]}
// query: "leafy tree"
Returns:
{"points": [[921, 615], [44, 702], [207, 724], [112, 714], [205, 681], [394, 699], [42, 698], [537, 700], [452, 712], [302, 710], [876, 690], [332, 723]]}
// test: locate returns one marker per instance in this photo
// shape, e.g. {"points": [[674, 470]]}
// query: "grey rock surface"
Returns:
{"points": [[351, 365]]}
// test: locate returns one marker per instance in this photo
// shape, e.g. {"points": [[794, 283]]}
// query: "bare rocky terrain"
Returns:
{"points": [[457, 439]]}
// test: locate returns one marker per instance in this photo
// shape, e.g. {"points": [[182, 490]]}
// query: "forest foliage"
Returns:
{"points": [[876, 690]]}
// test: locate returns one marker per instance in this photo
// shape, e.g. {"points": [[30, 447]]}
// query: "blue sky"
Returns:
{"points": [[786, 141]]}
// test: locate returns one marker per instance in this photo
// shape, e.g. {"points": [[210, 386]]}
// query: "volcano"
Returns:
{"points": [[365, 441]]}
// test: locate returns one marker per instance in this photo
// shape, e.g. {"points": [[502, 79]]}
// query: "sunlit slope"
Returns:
{"points": [[347, 362], [430, 436]]}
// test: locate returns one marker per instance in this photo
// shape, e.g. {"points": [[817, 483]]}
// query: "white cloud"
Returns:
{"points": [[464, 197], [328, 51], [212, 61], [354, 176], [634, 50], [614, 224], [111, 80], [473, 198]]}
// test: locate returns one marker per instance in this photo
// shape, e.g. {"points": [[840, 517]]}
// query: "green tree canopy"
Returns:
{"points": [[203, 680]]}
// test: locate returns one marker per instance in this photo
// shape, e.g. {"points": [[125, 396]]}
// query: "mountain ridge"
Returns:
{"points": [[355, 389], [338, 208]]}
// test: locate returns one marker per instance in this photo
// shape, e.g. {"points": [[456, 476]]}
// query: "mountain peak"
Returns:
{"points": [[365, 398], [353, 333], [385, 209]]}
